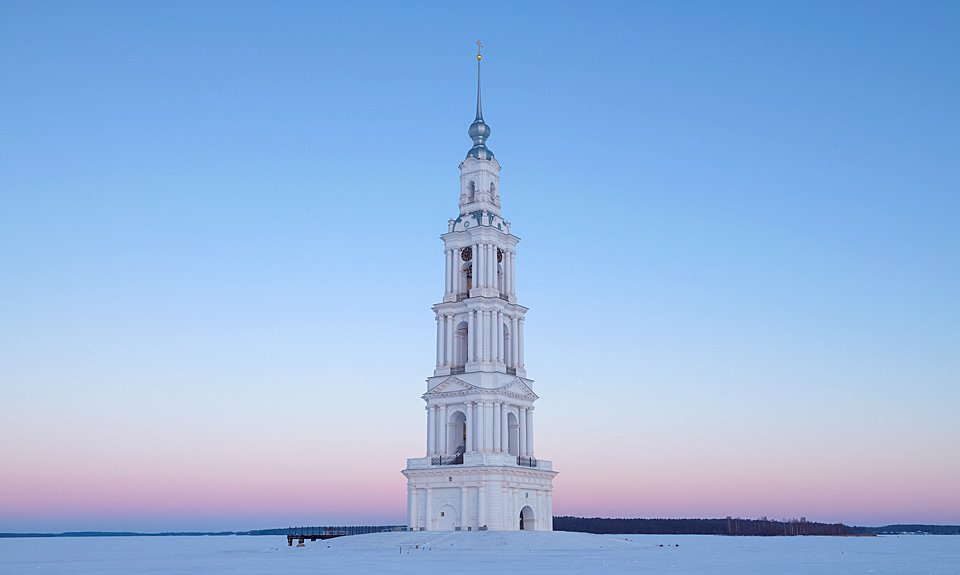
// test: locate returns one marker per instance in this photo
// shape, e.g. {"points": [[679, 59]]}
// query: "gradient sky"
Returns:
{"points": [[219, 246]]}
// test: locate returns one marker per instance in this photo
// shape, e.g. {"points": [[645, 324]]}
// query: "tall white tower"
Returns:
{"points": [[480, 471]]}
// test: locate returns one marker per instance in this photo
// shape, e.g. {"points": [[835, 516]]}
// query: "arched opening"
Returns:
{"points": [[527, 521], [457, 435], [513, 438], [447, 518], [466, 277], [461, 337]]}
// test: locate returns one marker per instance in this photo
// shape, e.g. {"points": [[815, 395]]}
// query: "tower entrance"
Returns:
{"points": [[527, 521]]}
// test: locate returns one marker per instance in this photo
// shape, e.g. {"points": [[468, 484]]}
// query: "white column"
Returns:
{"points": [[500, 337], [514, 341], [447, 284], [516, 508], [488, 425], [412, 501], [504, 430], [530, 451], [481, 505], [437, 433], [513, 272], [478, 265], [430, 443], [444, 427], [484, 335], [493, 335], [463, 508], [481, 444], [492, 265], [496, 427], [520, 362], [449, 340], [523, 432], [468, 412], [439, 342], [471, 336], [428, 519]]}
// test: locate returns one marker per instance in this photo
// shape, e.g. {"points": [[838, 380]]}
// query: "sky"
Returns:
{"points": [[219, 247]]}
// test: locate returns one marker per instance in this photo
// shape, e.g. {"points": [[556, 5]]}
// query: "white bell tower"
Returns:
{"points": [[480, 471]]}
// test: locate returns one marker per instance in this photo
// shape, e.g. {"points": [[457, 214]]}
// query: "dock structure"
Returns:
{"points": [[301, 534]]}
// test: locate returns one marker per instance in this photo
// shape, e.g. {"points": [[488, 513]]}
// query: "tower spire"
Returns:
{"points": [[479, 131], [479, 57]]}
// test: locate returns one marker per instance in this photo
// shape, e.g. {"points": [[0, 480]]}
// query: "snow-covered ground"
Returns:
{"points": [[486, 552]]}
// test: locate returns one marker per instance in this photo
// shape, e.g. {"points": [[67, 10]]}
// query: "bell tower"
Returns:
{"points": [[480, 471]]}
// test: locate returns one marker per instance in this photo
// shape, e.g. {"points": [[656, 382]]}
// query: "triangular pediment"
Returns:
{"points": [[450, 386], [518, 388]]}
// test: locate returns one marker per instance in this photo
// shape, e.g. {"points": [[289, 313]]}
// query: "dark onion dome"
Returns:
{"points": [[479, 130]]}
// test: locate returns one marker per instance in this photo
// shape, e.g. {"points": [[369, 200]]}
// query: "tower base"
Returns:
{"points": [[465, 498]]}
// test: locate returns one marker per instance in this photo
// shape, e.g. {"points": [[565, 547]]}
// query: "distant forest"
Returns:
{"points": [[735, 526]]}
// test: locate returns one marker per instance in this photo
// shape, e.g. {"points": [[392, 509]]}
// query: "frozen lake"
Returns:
{"points": [[486, 552]]}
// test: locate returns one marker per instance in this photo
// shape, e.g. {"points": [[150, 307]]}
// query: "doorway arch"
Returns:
{"points": [[527, 520]]}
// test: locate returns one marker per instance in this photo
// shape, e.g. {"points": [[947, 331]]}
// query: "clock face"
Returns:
{"points": [[466, 254], [499, 255]]}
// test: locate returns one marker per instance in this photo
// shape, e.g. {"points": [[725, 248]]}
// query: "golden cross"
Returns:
{"points": [[479, 46]]}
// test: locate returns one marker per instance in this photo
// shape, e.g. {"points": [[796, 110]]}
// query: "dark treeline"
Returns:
{"points": [[727, 526], [898, 529]]}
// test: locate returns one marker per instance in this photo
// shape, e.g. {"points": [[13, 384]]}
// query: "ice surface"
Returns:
{"points": [[486, 552]]}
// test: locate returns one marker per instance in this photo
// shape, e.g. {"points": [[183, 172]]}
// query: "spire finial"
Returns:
{"points": [[479, 131], [479, 57]]}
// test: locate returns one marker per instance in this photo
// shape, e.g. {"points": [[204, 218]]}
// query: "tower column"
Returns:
{"points": [[485, 320], [477, 341], [450, 358], [500, 337], [481, 504], [513, 271], [412, 512], [522, 448], [481, 445], [504, 430], [444, 430], [470, 336], [530, 432], [463, 506], [514, 342], [520, 362], [430, 443], [447, 283], [439, 341], [477, 265], [468, 412], [497, 432]]}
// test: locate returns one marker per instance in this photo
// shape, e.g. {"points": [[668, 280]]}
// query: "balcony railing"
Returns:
{"points": [[527, 461], [457, 369], [512, 370], [462, 296], [504, 297]]}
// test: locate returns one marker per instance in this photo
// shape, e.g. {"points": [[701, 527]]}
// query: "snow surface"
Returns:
{"points": [[486, 552]]}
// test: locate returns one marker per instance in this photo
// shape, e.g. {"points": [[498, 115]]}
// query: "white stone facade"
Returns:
{"points": [[480, 471]]}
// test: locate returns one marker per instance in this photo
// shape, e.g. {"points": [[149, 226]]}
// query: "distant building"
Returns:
{"points": [[480, 471]]}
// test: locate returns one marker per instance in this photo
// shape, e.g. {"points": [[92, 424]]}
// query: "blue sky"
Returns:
{"points": [[219, 222]]}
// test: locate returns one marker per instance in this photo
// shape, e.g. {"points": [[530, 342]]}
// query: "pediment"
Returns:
{"points": [[451, 386], [519, 389]]}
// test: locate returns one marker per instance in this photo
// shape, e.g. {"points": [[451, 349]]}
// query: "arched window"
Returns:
{"points": [[456, 433], [513, 439], [461, 337]]}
